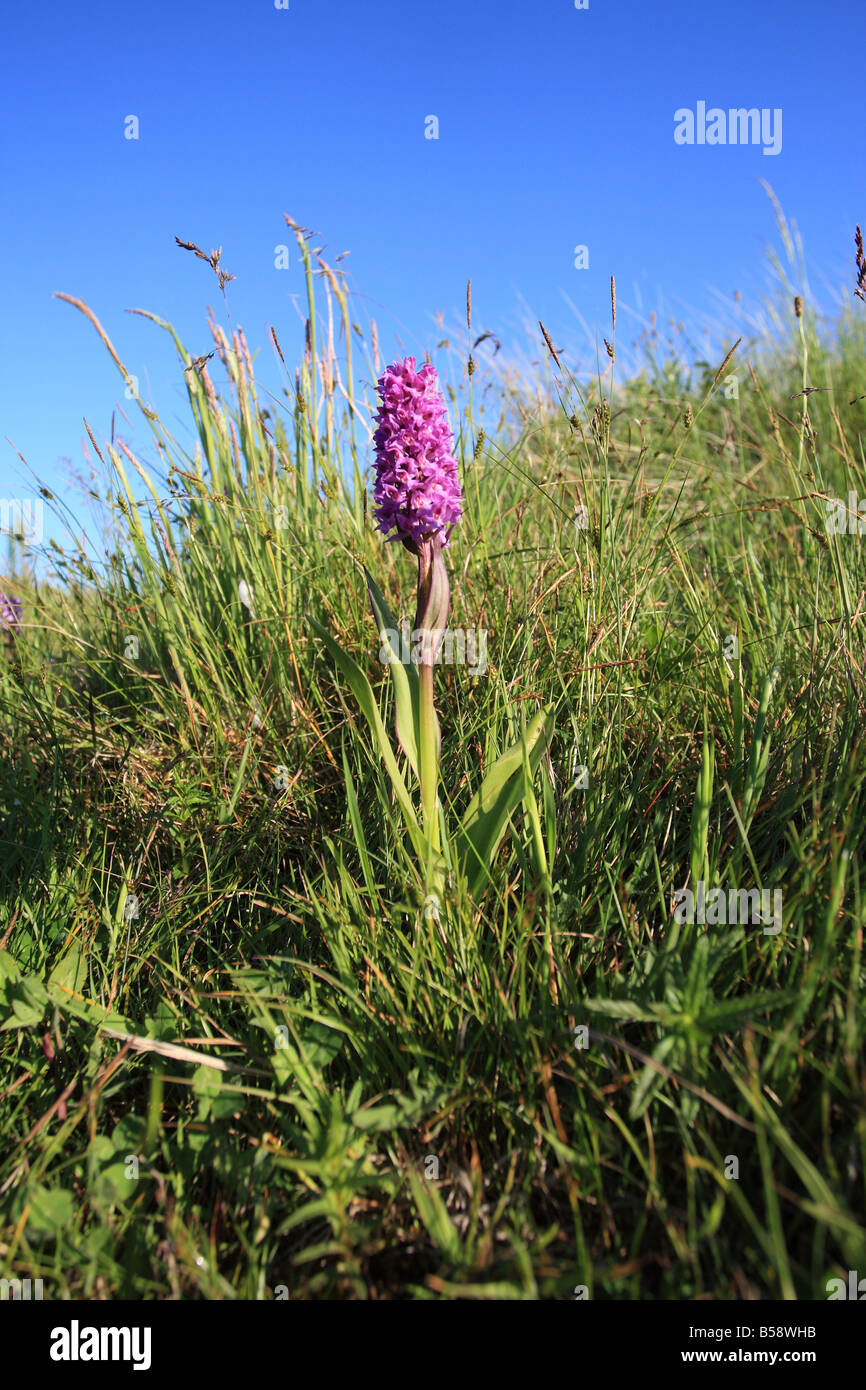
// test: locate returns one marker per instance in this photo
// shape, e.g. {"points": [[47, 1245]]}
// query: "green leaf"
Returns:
{"points": [[729, 1013], [434, 1214], [701, 812], [207, 1084], [357, 827], [321, 1044], [69, 974], [404, 676], [501, 791], [363, 693], [23, 1015], [128, 1135], [377, 1119], [624, 1008], [10, 970], [110, 1177], [29, 1001], [50, 1210], [96, 1014], [759, 757], [651, 1081], [162, 1024]]}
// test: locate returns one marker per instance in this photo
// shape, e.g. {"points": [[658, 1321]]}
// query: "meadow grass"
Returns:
{"points": [[240, 1056]]}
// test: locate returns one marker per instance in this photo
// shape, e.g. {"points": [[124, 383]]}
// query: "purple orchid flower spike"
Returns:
{"points": [[417, 489], [10, 613], [417, 493], [418, 501]]}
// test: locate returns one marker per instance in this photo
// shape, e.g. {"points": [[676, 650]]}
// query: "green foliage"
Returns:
{"points": [[243, 1049]]}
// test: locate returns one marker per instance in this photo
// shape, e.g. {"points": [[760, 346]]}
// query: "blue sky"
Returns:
{"points": [[556, 129]]}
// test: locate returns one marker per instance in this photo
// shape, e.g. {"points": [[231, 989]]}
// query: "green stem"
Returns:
{"points": [[431, 618], [428, 755]]}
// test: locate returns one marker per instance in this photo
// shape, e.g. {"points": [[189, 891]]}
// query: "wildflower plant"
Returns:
{"points": [[418, 501], [10, 614], [670, 592]]}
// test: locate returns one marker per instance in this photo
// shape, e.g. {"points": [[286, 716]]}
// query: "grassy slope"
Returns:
{"points": [[181, 862]]}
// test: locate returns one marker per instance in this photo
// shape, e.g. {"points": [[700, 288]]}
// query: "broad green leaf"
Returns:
{"points": [[501, 791], [96, 1014], [24, 1015], [128, 1135], [50, 1210], [29, 1000], [69, 974], [363, 693], [163, 1024], [321, 1044], [112, 1170], [10, 970], [403, 674], [377, 1119], [207, 1084]]}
